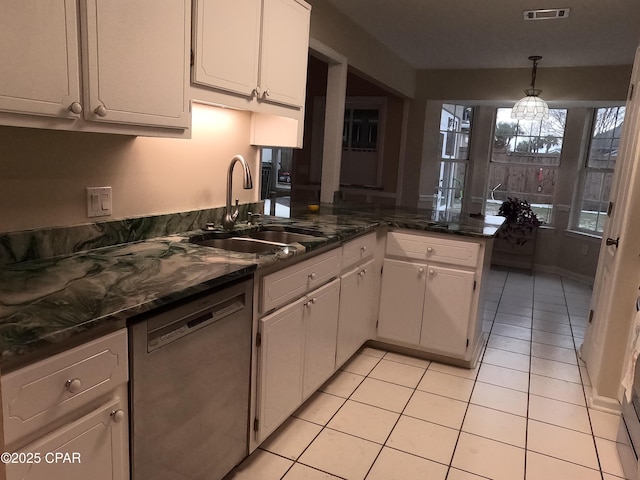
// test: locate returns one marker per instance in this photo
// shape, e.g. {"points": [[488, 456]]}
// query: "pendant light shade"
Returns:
{"points": [[531, 107]]}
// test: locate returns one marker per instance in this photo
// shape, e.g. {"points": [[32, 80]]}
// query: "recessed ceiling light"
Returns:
{"points": [[547, 14]]}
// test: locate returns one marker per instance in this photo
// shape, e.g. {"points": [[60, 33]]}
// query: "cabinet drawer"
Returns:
{"points": [[39, 394], [433, 249], [358, 250], [281, 287]]}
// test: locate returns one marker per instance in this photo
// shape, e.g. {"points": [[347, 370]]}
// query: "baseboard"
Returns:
{"points": [[605, 404], [564, 273]]}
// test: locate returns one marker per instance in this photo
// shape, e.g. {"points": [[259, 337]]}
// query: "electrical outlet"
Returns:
{"points": [[584, 250], [99, 201]]}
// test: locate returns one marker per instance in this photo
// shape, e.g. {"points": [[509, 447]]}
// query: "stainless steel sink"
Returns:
{"points": [[269, 238], [237, 244], [281, 237], [285, 234]]}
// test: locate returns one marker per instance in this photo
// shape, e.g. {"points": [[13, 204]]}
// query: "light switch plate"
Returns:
{"points": [[99, 201]]}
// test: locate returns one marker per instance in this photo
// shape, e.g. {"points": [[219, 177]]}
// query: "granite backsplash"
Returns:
{"points": [[29, 245]]}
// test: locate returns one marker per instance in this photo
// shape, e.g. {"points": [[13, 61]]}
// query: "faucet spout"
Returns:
{"points": [[247, 183]]}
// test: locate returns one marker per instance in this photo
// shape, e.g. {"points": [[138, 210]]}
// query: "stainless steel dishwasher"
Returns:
{"points": [[189, 386]]}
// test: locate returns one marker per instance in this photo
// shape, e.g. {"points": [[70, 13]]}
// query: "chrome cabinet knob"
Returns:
{"points": [[267, 92], [100, 110], [363, 249], [432, 272], [421, 270], [312, 276], [117, 415], [73, 385], [257, 91], [314, 300], [75, 107], [429, 250]]}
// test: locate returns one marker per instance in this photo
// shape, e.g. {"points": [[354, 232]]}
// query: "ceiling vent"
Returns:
{"points": [[549, 14]]}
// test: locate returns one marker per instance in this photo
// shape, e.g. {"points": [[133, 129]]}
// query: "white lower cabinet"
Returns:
{"points": [[356, 310], [321, 329], [402, 300], [430, 294], [426, 305], [66, 417], [296, 354], [95, 446], [447, 309], [281, 366]]}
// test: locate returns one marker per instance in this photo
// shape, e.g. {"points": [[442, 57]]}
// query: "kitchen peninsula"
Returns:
{"points": [[47, 300], [66, 320]]}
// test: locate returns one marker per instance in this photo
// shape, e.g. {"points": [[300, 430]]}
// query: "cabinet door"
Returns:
{"points": [[356, 309], [136, 61], [401, 300], [96, 447], [281, 366], [227, 44], [285, 48], [321, 328], [447, 307], [39, 63]]}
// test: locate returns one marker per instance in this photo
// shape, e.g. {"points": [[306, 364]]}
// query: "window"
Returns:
{"points": [[455, 130], [362, 141], [595, 185], [525, 160]]}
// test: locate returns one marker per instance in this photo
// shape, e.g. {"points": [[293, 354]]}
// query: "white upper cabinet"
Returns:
{"points": [[285, 49], [131, 77], [253, 48], [39, 64], [219, 25], [135, 62]]}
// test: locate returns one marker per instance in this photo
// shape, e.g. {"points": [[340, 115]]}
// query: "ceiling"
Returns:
{"points": [[444, 34]]}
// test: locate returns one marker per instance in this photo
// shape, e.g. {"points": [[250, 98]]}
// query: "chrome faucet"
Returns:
{"points": [[229, 217]]}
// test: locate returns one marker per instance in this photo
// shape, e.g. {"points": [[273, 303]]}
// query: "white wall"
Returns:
{"points": [[44, 173], [371, 58]]}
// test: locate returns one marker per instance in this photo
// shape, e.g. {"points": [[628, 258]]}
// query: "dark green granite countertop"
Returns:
{"points": [[49, 305]]}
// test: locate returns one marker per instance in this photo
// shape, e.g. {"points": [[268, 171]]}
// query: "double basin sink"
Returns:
{"points": [[268, 238]]}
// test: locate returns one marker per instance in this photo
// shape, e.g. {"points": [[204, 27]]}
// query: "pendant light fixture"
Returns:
{"points": [[531, 107]]}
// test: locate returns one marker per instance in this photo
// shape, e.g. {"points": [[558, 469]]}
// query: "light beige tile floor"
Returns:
{"points": [[520, 415]]}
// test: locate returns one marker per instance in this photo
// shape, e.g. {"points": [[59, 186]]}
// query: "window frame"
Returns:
{"points": [[518, 138], [447, 161], [585, 170]]}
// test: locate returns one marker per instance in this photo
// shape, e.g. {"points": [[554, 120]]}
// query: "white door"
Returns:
{"points": [[285, 50], [618, 276], [96, 447], [136, 61], [280, 366], [447, 307], [401, 300], [356, 308], [39, 57], [227, 44], [321, 329]]}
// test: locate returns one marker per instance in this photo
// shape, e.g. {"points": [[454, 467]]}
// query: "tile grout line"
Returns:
{"points": [[584, 393], [325, 425], [399, 416], [475, 380]]}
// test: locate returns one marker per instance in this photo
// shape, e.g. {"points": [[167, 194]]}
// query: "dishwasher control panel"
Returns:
{"points": [[175, 327]]}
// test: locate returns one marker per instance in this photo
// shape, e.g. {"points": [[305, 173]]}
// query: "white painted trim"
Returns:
{"points": [[604, 404], [326, 53], [334, 117], [403, 150]]}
